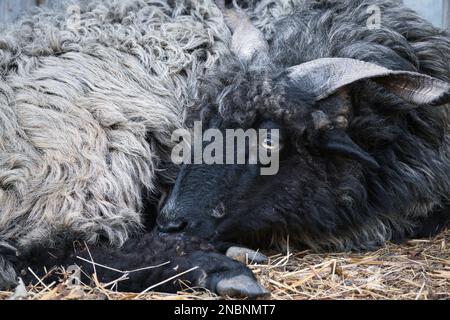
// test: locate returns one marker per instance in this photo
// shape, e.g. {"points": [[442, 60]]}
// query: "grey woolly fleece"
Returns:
{"points": [[87, 107], [90, 93]]}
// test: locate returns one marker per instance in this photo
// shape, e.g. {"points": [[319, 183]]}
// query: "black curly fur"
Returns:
{"points": [[159, 257]]}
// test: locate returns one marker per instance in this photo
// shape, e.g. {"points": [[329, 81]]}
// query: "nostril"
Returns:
{"points": [[173, 226]]}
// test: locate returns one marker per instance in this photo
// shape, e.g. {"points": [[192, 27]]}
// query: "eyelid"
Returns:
{"points": [[279, 143], [276, 133]]}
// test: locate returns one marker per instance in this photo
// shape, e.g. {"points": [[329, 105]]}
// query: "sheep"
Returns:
{"points": [[362, 116], [90, 94]]}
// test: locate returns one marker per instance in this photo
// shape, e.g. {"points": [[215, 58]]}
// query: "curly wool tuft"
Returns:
{"points": [[87, 111]]}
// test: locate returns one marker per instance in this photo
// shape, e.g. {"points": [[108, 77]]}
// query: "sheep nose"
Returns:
{"points": [[172, 226]]}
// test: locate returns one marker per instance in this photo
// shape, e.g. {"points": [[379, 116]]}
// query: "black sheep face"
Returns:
{"points": [[236, 203], [223, 202]]}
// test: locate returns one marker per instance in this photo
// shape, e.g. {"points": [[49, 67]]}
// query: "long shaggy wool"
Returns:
{"points": [[89, 96]]}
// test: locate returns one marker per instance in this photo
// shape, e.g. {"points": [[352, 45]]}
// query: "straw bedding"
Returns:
{"points": [[416, 270]]}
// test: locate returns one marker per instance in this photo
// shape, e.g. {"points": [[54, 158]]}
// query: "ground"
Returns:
{"points": [[416, 270]]}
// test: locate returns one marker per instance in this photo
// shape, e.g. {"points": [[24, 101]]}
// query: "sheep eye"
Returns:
{"points": [[272, 142]]}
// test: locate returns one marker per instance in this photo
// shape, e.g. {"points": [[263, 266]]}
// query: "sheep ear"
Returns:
{"points": [[247, 40], [324, 77], [338, 142]]}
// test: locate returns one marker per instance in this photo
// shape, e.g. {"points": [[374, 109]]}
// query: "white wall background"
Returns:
{"points": [[429, 9], [11, 9]]}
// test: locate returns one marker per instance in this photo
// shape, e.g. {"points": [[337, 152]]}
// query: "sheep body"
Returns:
{"points": [[86, 114]]}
